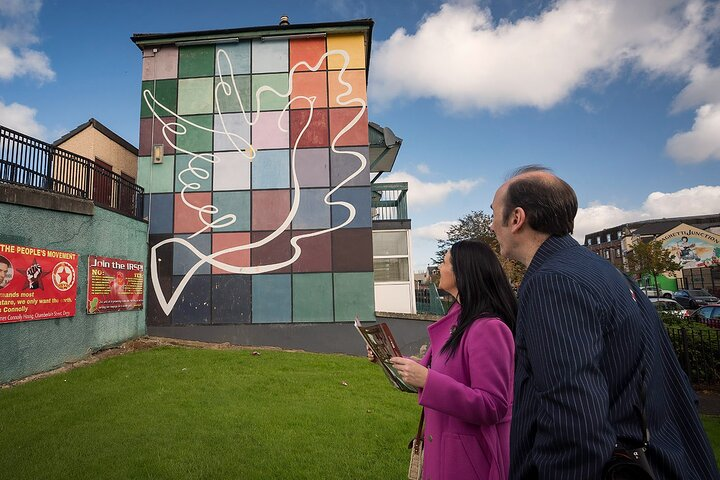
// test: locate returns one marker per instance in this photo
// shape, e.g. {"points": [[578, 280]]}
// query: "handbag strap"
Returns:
{"points": [[420, 425]]}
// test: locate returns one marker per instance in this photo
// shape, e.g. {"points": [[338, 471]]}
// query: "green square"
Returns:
{"points": [[199, 137], [201, 168], [196, 61], [195, 95], [354, 295], [156, 177], [230, 103], [166, 93], [145, 111], [269, 100], [233, 203], [312, 297]]}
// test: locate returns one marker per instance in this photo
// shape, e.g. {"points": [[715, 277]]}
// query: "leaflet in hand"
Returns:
{"points": [[382, 343]]}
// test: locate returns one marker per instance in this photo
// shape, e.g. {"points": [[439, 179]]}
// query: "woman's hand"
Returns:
{"points": [[370, 354], [410, 371]]}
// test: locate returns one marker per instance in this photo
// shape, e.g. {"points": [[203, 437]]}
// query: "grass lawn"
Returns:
{"points": [[712, 427], [177, 413]]}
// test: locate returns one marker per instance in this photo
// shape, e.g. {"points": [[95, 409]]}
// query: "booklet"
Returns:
{"points": [[382, 343]]}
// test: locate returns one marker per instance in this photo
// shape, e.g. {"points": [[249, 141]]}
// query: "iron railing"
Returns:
{"points": [[427, 300], [33, 163], [698, 352], [389, 201]]}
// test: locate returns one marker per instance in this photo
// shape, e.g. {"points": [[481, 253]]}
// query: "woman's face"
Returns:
{"points": [[447, 276]]}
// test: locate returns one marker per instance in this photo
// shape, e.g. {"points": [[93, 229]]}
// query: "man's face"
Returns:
{"points": [[502, 232], [3, 271]]}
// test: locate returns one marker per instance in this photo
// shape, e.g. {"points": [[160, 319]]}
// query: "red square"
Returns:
{"points": [[270, 208], [278, 250], [188, 219], [151, 133], [316, 134], [307, 50], [316, 253], [357, 135], [238, 258]]}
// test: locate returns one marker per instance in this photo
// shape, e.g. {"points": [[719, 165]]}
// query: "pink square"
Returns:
{"points": [[223, 241], [160, 64], [270, 130], [270, 208], [187, 219]]}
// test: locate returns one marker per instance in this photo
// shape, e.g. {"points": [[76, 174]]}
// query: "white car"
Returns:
{"points": [[654, 292], [667, 305]]}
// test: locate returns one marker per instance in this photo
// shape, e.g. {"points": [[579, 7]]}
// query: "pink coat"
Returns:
{"points": [[468, 401]]}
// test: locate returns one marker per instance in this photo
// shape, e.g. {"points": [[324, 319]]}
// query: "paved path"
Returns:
{"points": [[709, 401]]}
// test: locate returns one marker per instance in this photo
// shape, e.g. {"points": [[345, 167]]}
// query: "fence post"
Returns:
{"points": [[685, 357]]}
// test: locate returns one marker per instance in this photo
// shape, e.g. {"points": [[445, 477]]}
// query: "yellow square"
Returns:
{"points": [[353, 44]]}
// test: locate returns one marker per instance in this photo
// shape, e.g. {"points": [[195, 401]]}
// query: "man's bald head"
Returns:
{"points": [[549, 203]]}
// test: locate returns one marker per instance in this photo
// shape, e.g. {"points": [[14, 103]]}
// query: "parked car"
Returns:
{"points": [[668, 305], [694, 298], [709, 315], [654, 292]]}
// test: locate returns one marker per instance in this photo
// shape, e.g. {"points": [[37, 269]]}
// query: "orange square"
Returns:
{"points": [[358, 133], [188, 219], [358, 88], [238, 258], [307, 50], [309, 84]]}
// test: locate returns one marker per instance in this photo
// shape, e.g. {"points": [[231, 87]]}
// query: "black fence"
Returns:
{"points": [[698, 352], [33, 163]]}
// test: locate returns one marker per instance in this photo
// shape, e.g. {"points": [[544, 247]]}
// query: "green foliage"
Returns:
{"points": [[650, 258], [476, 226], [174, 413]]}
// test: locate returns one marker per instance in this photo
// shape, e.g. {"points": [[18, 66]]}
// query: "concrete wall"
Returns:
{"points": [[31, 347], [92, 144]]}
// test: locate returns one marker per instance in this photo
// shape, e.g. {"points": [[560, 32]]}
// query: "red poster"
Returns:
{"points": [[114, 285], [36, 284]]}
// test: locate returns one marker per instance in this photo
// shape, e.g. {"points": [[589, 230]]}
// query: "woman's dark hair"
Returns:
{"points": [[550, 204], [483, 289]]}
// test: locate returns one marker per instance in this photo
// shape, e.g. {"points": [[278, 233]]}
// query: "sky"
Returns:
{"points": [[621, 99]]}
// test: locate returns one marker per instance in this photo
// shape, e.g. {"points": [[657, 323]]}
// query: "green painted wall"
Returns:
{"points": [[27, 348]]}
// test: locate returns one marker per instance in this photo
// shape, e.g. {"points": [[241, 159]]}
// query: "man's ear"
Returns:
{"points": [[517, 219]]}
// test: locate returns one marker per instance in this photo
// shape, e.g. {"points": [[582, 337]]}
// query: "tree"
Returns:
{"points": [[650, 258], [476, 226]]}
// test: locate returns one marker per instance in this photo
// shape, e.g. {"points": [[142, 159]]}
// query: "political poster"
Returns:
{"points": [[114, 285], [36, 283]]}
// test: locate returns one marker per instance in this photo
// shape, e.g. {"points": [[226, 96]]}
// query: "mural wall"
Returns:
{"points": [[692, 247], [260, 209]]}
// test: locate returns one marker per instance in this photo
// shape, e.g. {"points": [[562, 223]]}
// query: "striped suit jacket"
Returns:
{"points": [[582, 339]]}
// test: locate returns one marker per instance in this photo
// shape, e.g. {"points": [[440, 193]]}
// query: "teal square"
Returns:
{"points": [[195, 95], [239, 56], [145, 111], [269, 100], [233, 203], [198, 178], [156, 177], [196, 61], [237, 86], [271, 299], [199, 136], [354, 295], [271, 169], [312, 297]]}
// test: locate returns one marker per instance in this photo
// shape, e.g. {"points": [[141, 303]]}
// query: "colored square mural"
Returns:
{"points": [[245, 243]]}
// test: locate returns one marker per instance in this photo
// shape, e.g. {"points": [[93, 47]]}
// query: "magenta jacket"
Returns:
{"points": [[468, 401]]}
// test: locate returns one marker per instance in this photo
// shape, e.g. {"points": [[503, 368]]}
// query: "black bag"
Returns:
{"points": [[627, 464]]}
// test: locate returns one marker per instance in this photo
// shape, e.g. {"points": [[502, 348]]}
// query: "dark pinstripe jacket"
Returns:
{"points": [[582, 338]]}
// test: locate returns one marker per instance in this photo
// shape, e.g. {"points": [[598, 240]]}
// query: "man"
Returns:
{"points": [[584, 343], [4, 268]]}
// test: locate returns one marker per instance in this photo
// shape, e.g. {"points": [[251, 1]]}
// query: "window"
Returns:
{"points": [[390, 256], [617, 253], [598, 239], [609, 237], [607, 253], [619, 234], [589, 241]]}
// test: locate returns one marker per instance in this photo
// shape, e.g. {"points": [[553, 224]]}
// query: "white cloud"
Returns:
{"points": [[428, 193], [18, 22], [698, 200], [423, 168], [704, 87], [436, 231], [461, 57], [702, 142], [21, 118]]}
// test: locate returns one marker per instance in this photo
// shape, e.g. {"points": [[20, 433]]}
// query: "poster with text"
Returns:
{"points": [[114, 285], [36, 283]]}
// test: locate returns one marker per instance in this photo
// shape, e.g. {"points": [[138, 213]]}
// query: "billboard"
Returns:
{"points": [[114, 285], [692, 247], [36, 283]]}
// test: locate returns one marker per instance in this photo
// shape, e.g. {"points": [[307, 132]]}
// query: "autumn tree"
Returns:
{"points": [[476, 226], [652, 259]]}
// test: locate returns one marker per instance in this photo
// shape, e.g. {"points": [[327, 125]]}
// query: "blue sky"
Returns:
{"points": [[622, 99]]}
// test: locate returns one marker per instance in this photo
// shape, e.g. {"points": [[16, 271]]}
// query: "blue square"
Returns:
{"points": [[193, 304], [238, 54], [271, 169], [271, 299], [184, 258], [359, 197], [159, 212], [313, 212]]}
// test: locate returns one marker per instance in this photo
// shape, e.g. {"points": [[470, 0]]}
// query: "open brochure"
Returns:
{"points": [[382, 343]]}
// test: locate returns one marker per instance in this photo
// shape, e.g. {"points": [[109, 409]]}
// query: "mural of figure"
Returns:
{"points": [[5, 271], [687, 251]]}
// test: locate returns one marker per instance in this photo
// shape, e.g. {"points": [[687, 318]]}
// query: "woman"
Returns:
{"points": [[465, 380]]}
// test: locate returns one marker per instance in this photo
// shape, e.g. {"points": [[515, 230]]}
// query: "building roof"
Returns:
{"points": [[661, 225], [364, 25], [100, 128]]}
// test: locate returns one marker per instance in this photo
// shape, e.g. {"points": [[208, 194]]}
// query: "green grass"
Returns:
{"points": [[176, 413], [712, 428]]}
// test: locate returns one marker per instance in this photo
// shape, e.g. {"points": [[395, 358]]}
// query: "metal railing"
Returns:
{"points": [[698, 352], [389, 201], [33, 163], [427, 300]]}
